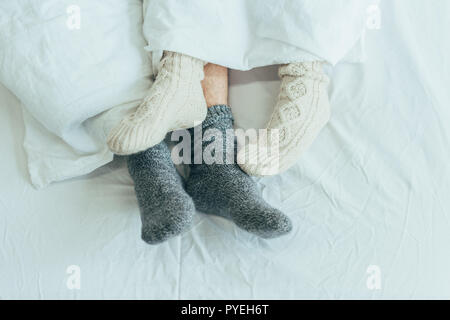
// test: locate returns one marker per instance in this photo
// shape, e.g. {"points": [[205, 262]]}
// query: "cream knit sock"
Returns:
{"points": [[302, 111], [175, 101]]}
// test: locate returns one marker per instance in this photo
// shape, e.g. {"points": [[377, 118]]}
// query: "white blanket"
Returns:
{"points": [[244, 34], [78, 66], [68, 61]]}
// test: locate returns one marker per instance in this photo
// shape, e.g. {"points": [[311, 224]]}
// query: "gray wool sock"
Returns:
{"points": [[224, 189], [166, 209]]}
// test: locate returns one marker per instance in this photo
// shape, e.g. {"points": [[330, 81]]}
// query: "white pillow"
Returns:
{"points": [[69, 61]]}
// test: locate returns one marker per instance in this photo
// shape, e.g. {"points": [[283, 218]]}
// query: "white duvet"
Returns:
{"points": [[244, 34], [78, 65], [69, 62]]}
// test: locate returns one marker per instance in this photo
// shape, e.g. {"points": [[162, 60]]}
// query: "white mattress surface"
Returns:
{"points": [[372, 191]]}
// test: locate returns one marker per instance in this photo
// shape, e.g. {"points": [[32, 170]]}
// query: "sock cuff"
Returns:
{"points": [[216, 114]]}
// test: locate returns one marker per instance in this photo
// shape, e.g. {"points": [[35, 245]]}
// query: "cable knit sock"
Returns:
{"points": [[224, 189], [166, 209], [175, 101], [303, 109]]}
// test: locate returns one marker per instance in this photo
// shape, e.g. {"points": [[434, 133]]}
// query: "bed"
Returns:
{"points": [[369, 201]]}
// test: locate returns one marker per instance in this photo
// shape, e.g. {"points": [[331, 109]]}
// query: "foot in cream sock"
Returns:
{"points": [[175, 101], [302, 111]]}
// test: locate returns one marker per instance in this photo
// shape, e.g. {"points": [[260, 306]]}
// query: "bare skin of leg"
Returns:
{"points": [[215, 85]]}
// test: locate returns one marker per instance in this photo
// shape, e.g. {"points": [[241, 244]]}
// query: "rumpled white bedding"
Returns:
{"points": [[244, 34], [372, 191]]}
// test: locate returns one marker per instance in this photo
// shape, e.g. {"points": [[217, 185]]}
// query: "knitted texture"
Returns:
{"points": [[175, 101], [301, 112], [166, 209], [224, 189]]}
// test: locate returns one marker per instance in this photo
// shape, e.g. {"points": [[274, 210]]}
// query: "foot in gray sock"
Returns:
{"points": [[225, 190], [166, 209]]}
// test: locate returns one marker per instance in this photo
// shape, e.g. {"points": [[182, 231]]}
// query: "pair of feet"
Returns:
{"points": [[167, 207], [176, 101]]}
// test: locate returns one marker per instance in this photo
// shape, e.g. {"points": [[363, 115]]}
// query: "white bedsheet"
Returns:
{"points": [[373, 190]]}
